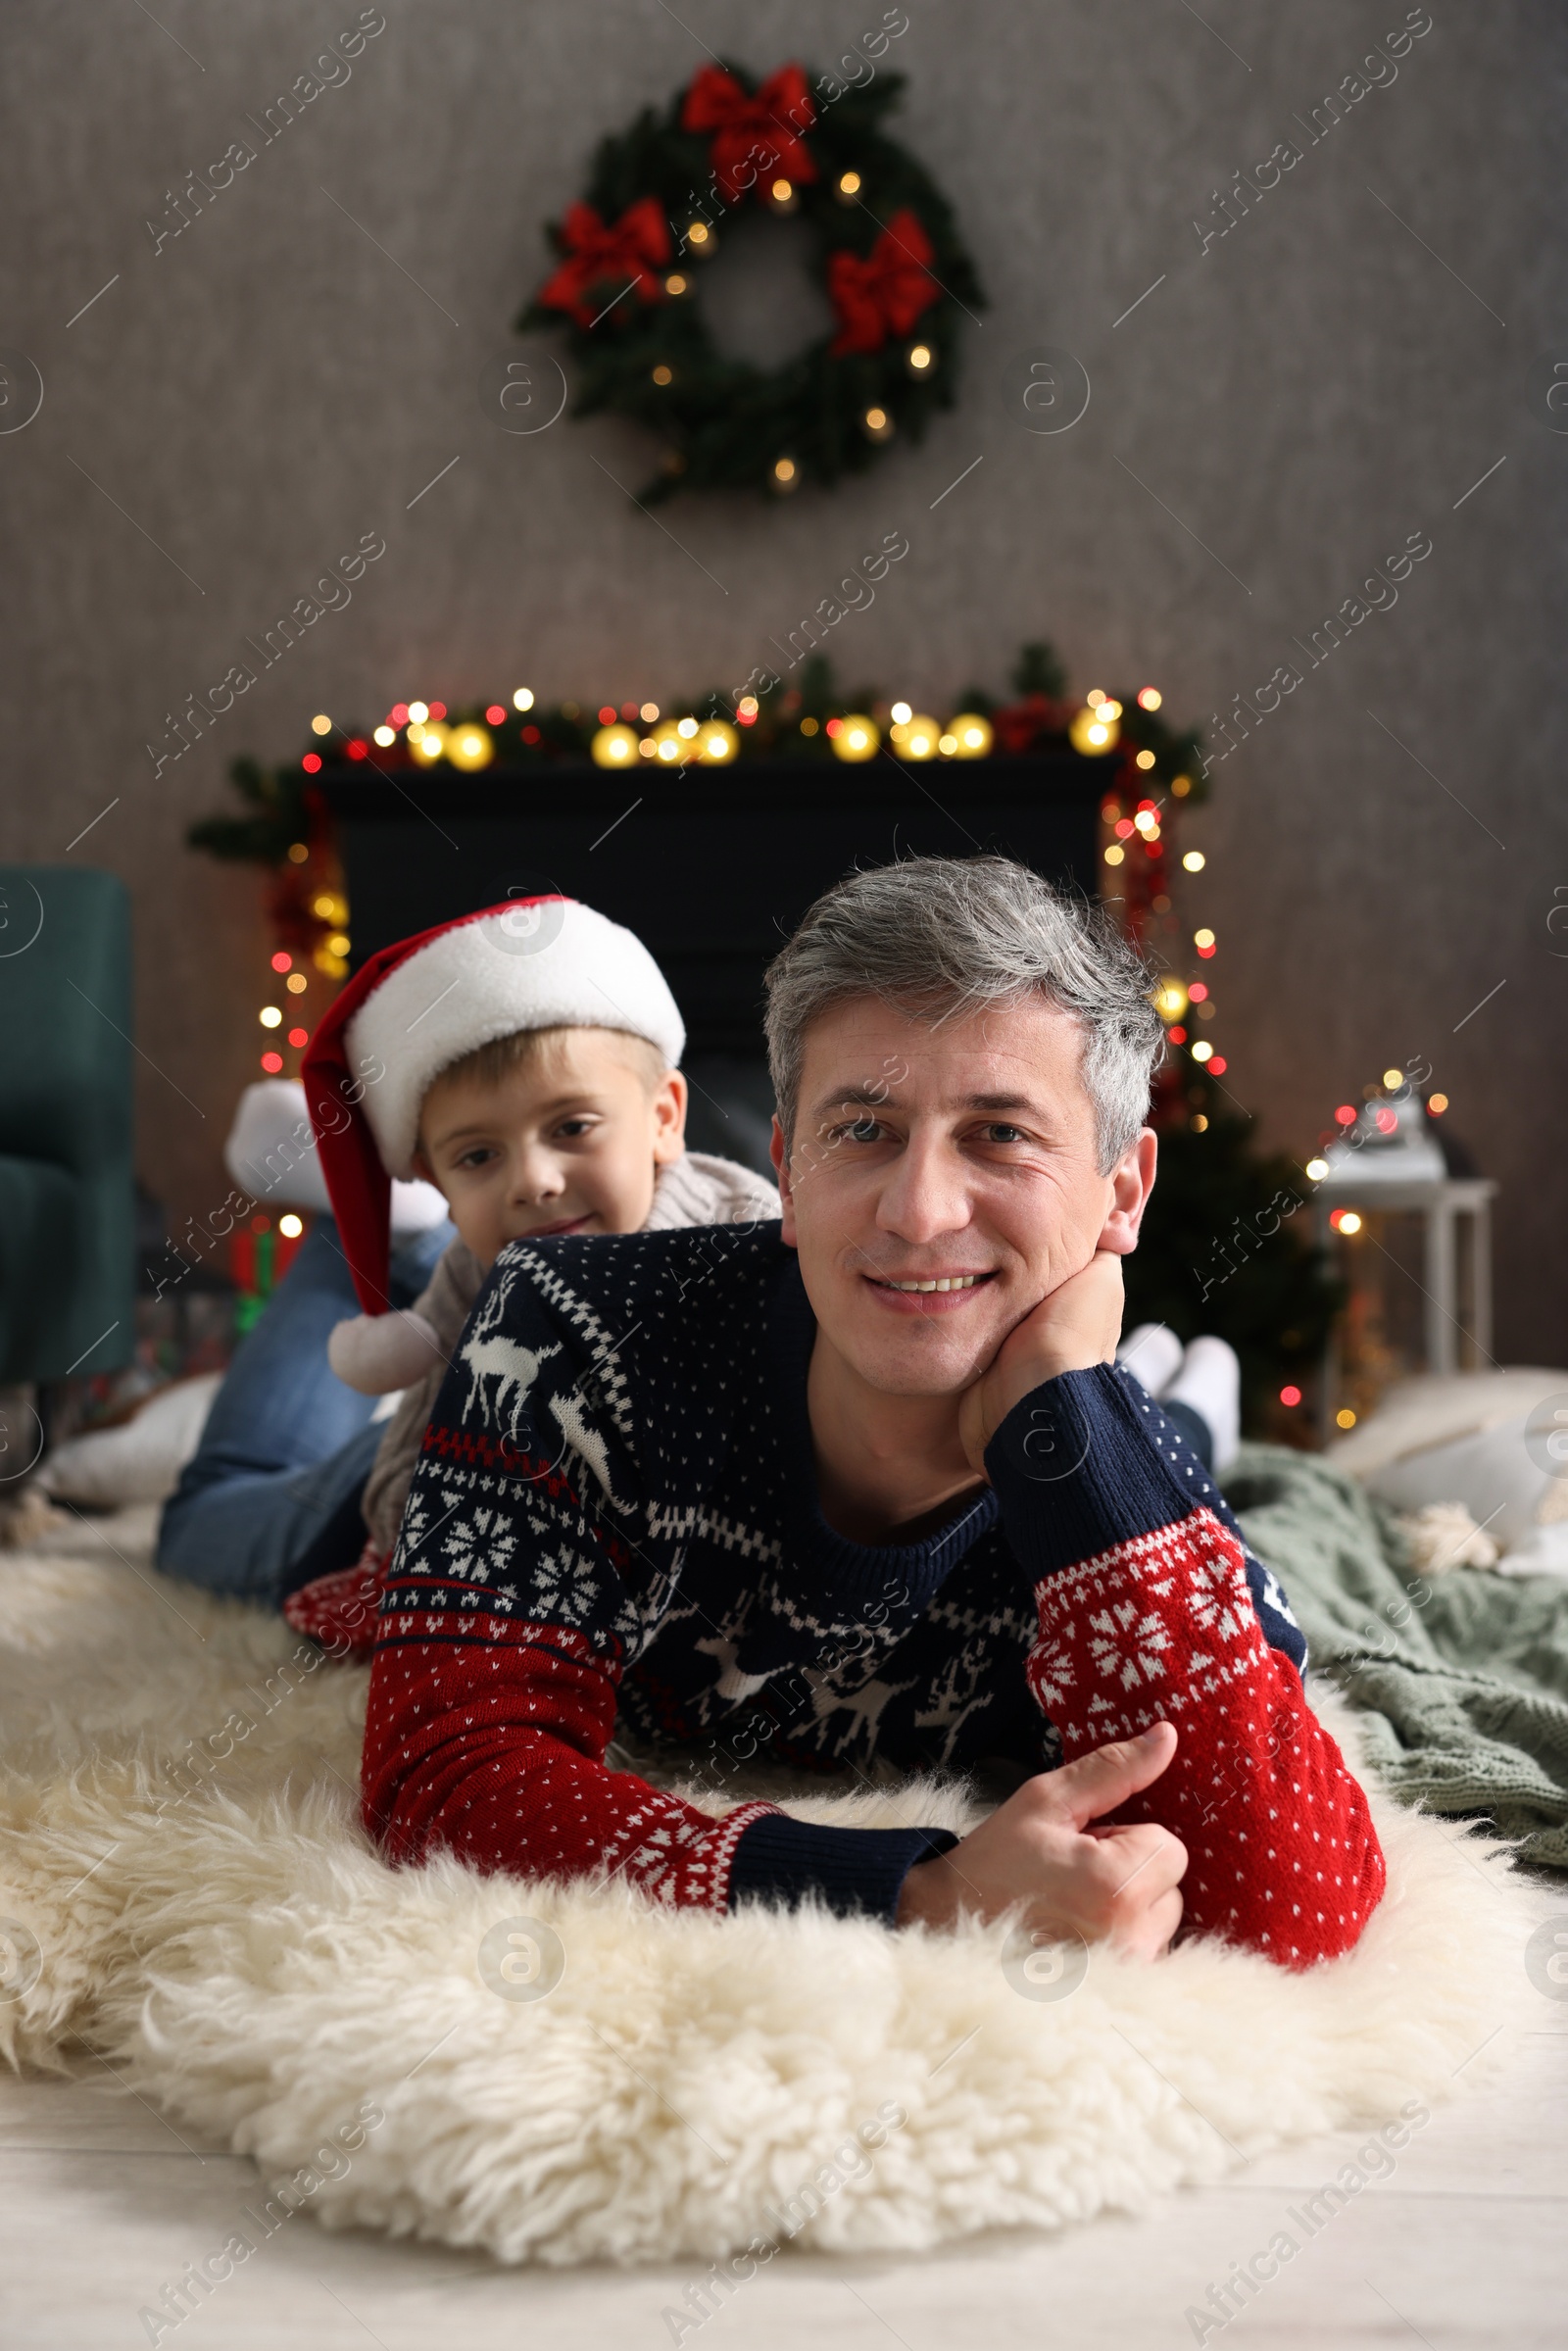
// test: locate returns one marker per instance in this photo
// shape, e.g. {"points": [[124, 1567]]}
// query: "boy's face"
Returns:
{"points": [[570, 1141], [962, 1152]]}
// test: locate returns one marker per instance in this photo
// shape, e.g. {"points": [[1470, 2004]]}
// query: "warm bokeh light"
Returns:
{"points": [[613, 747], [1436, 1106], [427, 743], [269, 1016], [1344, 1115], [291, 1226], [716, 743], [916, 738], [1290, 1395], [1344, 1418], [320, 724], [1092, 732], [523, 700], [419, 713], [1194, 861], [854, 737], [1149, 697], [469, 747], [974, 735], [1317, 1169], [1202, 1051]]}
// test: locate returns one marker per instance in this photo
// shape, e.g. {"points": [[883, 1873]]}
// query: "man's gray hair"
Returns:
{"points": [[946, 937]]}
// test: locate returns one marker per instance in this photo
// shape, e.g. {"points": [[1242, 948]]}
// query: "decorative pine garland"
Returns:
{"points": [[887, 256]]}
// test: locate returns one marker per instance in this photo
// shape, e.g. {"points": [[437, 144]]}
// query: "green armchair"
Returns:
{"points": [[66, 1175]]}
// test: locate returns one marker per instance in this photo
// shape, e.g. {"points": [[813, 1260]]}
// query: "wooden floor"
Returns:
{"points": [[1466, 2244]]}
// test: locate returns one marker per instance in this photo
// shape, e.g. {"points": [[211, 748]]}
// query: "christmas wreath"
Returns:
{"points": [[886, 254]]}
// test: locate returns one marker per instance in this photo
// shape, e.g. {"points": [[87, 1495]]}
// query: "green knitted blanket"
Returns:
{"points": [[1462, 1679]]}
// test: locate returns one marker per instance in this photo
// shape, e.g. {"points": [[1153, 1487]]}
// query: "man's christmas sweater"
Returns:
{"points": [[614, 1517]]}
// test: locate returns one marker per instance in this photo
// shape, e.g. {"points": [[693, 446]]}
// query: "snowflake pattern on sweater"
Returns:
{"points": [[615, 1520]]}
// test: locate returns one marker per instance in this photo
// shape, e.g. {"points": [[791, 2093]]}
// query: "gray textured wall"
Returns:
{"points": [[1280, 412]]}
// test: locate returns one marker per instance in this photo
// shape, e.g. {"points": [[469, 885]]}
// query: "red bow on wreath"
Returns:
{"points": [[627, 253], [754, 137], [885, 293]]}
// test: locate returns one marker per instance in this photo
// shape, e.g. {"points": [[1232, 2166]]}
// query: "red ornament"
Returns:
{"points": [[885, 293], [627, 254], [755, 138]]}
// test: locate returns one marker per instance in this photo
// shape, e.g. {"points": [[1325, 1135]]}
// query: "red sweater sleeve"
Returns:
{"points": [[486, 1731], [1167, 1622]]}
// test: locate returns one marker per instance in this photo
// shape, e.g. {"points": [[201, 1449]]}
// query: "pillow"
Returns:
{"points": [[140, 1462], [1508, 1476], [1418, 1415]]}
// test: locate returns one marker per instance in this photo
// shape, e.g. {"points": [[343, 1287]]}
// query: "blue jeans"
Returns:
{"points": [[287, 1446]]}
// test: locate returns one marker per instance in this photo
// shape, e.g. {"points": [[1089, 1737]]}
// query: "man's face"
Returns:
{"points": [[959, 1152]]}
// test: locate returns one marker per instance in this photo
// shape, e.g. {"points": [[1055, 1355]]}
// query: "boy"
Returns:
{"points": [[523, 1060]]}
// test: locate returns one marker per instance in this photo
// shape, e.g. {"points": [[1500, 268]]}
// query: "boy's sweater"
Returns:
{"points": [[696, 1190], [615, 1512]]}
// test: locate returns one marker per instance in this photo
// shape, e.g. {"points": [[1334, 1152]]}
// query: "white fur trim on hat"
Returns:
{"points": [[555, 963]]}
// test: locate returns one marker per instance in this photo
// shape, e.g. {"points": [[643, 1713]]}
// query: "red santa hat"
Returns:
{"points": [[413, 1008]]}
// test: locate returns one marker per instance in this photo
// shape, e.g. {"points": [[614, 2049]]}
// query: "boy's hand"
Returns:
{"points": [[1077, 1326], [1115, 1884]]}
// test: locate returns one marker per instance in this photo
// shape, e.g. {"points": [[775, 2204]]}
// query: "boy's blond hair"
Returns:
{"points": [[489, 1063]]}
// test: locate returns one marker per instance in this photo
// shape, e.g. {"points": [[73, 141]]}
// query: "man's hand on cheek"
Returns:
{"points": [[1074, 1328]]}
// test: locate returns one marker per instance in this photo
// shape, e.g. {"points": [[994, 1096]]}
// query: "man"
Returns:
{"points": [[869, 1486]]}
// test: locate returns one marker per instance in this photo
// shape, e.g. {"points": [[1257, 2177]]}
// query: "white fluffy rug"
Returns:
{"points": [[183, 1884]]}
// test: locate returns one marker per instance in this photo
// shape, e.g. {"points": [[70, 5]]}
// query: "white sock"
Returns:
{"points": [[1151, 1354], [1210, 1382]]}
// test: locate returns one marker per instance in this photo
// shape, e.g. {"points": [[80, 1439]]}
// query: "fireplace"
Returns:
{"points": [[712, 866]]}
